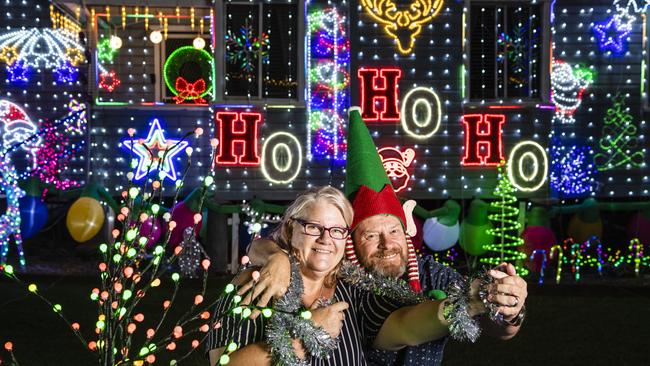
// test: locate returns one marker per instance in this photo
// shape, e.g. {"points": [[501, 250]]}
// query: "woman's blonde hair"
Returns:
{"points": [[283, 232]]}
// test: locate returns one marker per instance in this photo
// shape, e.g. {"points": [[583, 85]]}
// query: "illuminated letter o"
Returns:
{"points": [[425, 99], [274, 168], [528, 154]]}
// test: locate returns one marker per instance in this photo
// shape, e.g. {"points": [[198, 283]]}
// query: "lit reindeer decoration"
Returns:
{"points": [[403, 25]]}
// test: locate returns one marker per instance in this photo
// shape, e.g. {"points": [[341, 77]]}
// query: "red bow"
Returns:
{"points": [[188, 90]]}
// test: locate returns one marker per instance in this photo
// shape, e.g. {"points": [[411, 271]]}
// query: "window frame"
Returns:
{"points": [[220, 59], [645, 61], [545, 55], [160, 49]]}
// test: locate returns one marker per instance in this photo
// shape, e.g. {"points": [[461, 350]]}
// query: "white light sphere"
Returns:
{"points": [[198, 43], [116, 42], [155, 37]]}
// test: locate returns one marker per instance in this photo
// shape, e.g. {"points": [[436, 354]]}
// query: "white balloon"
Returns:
{"points": [[439, 237], [155, 37], [115, 42], [198, 43]]}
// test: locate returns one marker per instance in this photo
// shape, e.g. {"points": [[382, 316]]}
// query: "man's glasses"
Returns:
{"points": [[314, 229]]}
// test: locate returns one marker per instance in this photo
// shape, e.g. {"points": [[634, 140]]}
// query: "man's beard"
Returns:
{"points": [[393, 270]]}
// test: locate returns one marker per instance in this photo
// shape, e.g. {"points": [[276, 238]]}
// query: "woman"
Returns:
{"points": [[314, 229]]}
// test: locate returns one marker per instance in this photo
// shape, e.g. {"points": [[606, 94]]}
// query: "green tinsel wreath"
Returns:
{"points": [[179, 59]]}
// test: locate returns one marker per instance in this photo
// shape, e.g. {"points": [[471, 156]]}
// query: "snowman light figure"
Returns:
{"points": [[567, 88], [396, 164]]}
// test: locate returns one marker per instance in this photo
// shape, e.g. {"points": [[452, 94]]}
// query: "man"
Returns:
{"points": [[381, 244]]}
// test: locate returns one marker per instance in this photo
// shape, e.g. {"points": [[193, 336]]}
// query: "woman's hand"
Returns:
{"points": [[272, 282], [330, 318]]}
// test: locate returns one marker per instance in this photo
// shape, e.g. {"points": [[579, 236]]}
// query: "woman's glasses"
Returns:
{"points": [[314, 229]]}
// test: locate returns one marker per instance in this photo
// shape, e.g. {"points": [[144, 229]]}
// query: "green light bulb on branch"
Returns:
{"points": [[505, 226]]}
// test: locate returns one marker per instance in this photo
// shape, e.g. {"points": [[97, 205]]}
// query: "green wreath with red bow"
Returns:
{"points": [[188, 74]]}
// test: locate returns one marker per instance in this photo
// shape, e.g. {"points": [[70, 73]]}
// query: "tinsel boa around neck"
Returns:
{"points": [[289, 320], [393, 288]]}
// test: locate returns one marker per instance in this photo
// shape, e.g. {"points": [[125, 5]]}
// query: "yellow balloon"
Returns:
{"points": [[85, 219], [581, 231]]}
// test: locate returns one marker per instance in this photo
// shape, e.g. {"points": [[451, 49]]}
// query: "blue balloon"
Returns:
{"points": [[33, 215]]}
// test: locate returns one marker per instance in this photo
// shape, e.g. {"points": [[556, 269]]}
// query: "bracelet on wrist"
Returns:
{"points": [[518, 319]]}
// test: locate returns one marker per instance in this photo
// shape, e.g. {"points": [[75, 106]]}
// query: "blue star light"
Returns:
{"points": [[155, 153], [612, 34], [18, 72]]}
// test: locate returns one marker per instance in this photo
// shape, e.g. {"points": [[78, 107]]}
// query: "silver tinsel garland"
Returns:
{"points": [[392, 288], [485, 280], [462, 327], [287, 323]]}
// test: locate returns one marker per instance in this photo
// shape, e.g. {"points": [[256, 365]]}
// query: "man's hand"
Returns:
{"points": [[330, 318], [509, 291], [272, 282]]}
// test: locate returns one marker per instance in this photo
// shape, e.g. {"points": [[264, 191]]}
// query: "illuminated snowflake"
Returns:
{"points": [[244, 48]]}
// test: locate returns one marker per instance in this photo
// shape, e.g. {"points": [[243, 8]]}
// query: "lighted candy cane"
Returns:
{"points": [[10, 220], [532, 259], [636, 247], [560, 253], [576, 259], [599, 253]]}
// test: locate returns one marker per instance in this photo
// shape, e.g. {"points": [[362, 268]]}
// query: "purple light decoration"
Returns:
{"points": [[553, 11], [323, 45], [612, 34], [65, 72], [599, 252], [572, 173], [18, 71], [329, 48]]}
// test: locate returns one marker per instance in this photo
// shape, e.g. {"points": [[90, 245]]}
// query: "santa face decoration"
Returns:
{"points": [[17, 127], [396, 163]]}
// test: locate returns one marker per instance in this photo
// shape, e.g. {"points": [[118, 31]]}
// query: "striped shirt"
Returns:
{"points": [[433, 276], [363, 320]]}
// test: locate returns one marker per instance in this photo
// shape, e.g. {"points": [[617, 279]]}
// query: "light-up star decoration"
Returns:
{"points": [[613, 32], [155, 153]]}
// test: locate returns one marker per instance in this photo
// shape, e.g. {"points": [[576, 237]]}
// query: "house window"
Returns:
{"points": [[261, 51], [134, 71], [189, 71], [505, 50]]}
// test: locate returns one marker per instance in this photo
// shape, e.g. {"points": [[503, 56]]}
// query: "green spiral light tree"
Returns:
{"points": [[506, 226]]}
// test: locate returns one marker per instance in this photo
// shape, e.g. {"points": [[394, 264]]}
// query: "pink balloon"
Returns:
{"points": [[537, 237], [151, 230], [639, 228], [184, 218]]}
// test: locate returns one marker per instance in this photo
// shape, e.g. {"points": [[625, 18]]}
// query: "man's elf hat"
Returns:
{"points": [[369, 189]]}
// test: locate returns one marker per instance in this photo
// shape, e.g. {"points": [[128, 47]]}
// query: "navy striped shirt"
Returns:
{"points": [[433, 276], [363, 320]]}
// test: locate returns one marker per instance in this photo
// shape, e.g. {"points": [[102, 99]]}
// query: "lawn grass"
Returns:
{"points": [[566, 325], [570, 325]]}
